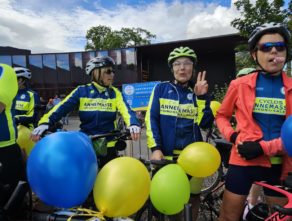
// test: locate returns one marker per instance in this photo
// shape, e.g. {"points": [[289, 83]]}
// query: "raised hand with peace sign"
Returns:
{"points": [[201, 86]]}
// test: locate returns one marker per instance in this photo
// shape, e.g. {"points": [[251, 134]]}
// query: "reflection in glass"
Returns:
{"points": [[19, 60], [63, 61], [88, 55], [35, 60], [78, 60], [49, 61], [102, 53], [130, 56], [6, 60], [92, 54], [117, 56]]}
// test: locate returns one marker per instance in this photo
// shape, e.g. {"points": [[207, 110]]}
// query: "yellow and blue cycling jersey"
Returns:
{"points": [[173, 117], [8, 130], [98, 107], [27, 103]]}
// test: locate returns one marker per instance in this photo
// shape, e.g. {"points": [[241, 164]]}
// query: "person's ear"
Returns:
{"points": [[253, 55]]}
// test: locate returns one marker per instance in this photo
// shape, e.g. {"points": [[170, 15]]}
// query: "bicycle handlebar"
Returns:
{"points": [[116, 133], [161, 162], [126, 135], [285, 211]]}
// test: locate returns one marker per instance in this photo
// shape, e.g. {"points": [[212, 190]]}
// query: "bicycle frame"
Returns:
{"points": [[279, 214]]}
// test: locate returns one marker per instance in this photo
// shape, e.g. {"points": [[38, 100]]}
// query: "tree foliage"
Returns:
{"points": [[104, 38], [262, 11]]}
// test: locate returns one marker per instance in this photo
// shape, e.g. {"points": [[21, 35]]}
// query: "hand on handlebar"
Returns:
{"points": [[38, 131], [157, 155], [135, 132]]}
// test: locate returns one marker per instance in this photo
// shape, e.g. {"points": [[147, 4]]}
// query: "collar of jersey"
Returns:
{"points": [[100, 88]]}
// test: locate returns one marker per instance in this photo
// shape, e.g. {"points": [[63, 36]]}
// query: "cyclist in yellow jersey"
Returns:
{"points": [[27, 101], [12, 167], [98, 103]]}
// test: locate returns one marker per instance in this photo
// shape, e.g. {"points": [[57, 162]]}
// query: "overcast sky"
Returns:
{"points": [[60, 25]]}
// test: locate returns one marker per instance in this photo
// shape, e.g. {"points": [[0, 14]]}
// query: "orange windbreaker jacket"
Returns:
{"points": [[240, 98]]}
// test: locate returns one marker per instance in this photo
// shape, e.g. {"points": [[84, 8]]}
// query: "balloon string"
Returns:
{"points": [[87, 212]]}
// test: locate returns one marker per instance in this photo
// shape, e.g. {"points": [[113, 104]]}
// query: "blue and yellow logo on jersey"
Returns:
{"points": [[173, 108], [97, 104], [265, 105]]}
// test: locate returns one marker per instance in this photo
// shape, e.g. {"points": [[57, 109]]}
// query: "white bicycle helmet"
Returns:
{"points": [[272, 27], [99, 62], [22, 72]]}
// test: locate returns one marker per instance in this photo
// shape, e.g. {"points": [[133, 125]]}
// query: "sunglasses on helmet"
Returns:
{"points": [[268, 46]]}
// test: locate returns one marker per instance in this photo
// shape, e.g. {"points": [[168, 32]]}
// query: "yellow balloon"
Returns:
{"points": [[122, 187], [24, 140], [8, 84], [199, 159], [215, 105], [196, 184]]}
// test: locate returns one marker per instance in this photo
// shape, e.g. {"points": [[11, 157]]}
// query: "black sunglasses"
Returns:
{"points": [[109, 71], [268, 46]]}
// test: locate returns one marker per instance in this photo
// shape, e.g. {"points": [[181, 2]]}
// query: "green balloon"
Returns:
{"points": [[170, 189], [196, 184]]}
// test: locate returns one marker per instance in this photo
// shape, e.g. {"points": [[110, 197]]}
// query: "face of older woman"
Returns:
{"points": [[104, 76], [182, 70]]}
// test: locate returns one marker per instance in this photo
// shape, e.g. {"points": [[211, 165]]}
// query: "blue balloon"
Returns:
{"points": [[286, 134], [62, 169]]}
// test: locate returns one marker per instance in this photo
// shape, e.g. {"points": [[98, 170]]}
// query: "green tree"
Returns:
{"points": [[103, 38], [261, 12], [253, 15]]}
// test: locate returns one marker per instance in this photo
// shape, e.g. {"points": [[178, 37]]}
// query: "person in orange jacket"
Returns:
{"points": [[261, 101]]}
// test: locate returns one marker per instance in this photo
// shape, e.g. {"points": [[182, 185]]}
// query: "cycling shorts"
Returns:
{"points": [[240, 178]]}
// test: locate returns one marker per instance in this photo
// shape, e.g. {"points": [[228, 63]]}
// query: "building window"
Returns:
{"points": [[102, 53], [129, 58], [19, 60], [63, 61], [6, 60], [35, 60], [78, 60], [49, 61]]}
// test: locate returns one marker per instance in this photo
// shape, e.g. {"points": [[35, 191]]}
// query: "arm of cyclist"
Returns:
{"points": [[152, 123], [252, 149], [224, 115], [30, 117], [55, 114], [128, 115], [205, 117]]}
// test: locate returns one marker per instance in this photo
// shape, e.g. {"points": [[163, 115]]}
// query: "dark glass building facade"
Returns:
{"points": [[61, 72]]}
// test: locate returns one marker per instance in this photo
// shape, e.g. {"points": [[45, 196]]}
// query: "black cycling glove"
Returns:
{"points": [[250, 150], [233, 137]]}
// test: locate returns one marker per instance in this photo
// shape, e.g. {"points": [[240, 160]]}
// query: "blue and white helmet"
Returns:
{"points": [[22, 72], [99, 62]]}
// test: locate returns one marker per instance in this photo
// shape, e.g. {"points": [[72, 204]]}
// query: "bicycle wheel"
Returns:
{"points": [[149, 213], [210, 204], [143, 213], [212, 181]]}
